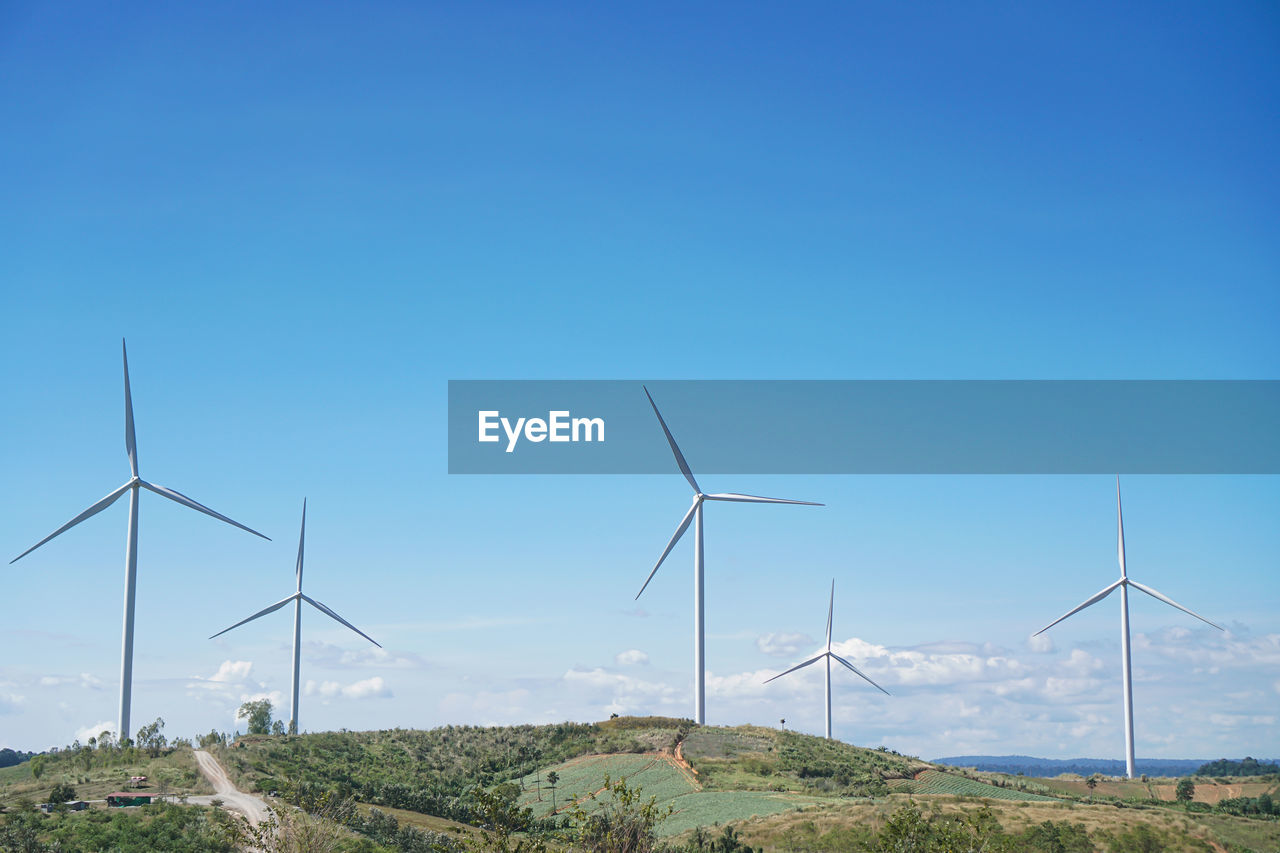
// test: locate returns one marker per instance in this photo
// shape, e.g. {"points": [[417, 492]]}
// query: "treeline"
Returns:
{"points": [[10, 757], [1246, 767], [174, 829], [1249, 806], [105, 750]]}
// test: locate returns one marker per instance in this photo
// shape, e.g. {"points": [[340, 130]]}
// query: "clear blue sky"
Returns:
{"points": [[307, 219]]}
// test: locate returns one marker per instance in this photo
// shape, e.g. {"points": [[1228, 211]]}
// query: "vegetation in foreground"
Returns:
{"points": [[555, 789]]}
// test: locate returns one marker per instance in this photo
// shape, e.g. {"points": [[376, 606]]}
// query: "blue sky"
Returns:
{"points": [[307, 219]]}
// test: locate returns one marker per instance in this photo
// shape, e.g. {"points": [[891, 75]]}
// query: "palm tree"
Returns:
{"points": [[552, 779]]}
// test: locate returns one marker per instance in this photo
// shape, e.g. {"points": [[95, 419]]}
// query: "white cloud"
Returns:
{"points": [[1040, 644], [231, 671], [368, 688], [9, 702], [631, 657], [84, 679], [94, 730], [784, 644], [932, 665]]}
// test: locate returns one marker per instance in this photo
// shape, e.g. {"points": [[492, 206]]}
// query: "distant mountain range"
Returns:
{"points": [[1050, 767]]}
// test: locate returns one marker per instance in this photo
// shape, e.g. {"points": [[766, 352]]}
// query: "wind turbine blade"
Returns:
{"points": [[178, 497], [1120, 530], [130, 441], [302, 536], [1154, 594], [858, 672], [272, 609], [1093, 600], [91, 511], [797, 666], [328, 612], [756, 499], [684, 525], [684, 466], [831, 608]]}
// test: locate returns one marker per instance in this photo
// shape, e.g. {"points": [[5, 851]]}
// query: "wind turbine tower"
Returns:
{"points": [[1126, 664], [829, 656], [134, 486], [297, 598], [694, 515]]}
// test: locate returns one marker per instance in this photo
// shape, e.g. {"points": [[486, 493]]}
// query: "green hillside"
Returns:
{"points": [[417, 791]]}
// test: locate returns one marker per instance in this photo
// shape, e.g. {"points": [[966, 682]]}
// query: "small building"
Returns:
{"points": [[120, 799], [137, 781], [72, 805]]}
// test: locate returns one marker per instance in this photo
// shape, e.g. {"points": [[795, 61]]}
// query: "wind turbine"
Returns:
{"points": [[133, 487], [297, 598], [1123, 585], [829, 655], [695, 514]]}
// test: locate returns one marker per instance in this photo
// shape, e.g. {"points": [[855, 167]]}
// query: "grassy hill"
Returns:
{"points": [[781, 791]]}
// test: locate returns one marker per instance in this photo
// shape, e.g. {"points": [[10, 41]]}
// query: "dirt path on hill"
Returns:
{"points": [[232, 798], [686, 769]]}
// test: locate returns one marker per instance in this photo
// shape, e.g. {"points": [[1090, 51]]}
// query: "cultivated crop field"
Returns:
{"points": [[581, 777], [655, 776], [709, 808], [937, 782]]}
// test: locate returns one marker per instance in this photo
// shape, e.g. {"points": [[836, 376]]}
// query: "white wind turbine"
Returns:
{"points": [[297, 598], [695, 512], [1123, 585], [133, 486], [829, 655]]}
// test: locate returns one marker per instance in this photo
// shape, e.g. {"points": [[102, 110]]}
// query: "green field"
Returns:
{"points": [[950, 784], [582, 777], [715, 808], [656, 777]]}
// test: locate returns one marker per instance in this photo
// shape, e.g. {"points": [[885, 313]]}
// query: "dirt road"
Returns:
{"points": [[248, 805]]}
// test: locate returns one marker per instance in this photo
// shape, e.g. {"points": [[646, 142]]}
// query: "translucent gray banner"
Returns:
{"points": [[866, 427]]}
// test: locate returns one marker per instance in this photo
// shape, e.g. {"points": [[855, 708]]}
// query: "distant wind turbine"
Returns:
{"points": [[133, 486], [829, 655], [1123, 585], [297, 598], [695, 512]]}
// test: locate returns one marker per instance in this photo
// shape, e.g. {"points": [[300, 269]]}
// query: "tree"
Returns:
{"points": [[502, 819], [288, 830], [213, 738], [151, 737], [258, 713], [61, 793], [1185, 792], [553, 779], [624, 824], [37, 766], [277, 728], [1092, 782]]}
